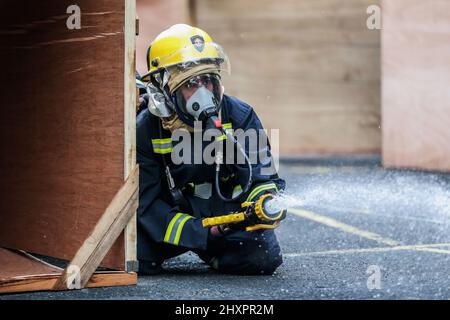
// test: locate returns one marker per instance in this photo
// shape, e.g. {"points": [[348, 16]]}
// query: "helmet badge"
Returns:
{"points": [[198, 42]]}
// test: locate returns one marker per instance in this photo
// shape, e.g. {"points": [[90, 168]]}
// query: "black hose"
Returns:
{"points": [[219, 158]]}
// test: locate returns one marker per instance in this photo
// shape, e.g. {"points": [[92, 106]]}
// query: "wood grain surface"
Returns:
{"points": [[310, 68], [61, 123], [15, 265], [105, 233], [416, 81]]}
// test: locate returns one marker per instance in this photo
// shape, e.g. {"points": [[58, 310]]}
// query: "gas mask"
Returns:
{"points": [[202, 104], [198, 99]]}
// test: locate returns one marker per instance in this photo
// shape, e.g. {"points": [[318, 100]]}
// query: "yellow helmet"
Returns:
{"points": [[183, 46]]}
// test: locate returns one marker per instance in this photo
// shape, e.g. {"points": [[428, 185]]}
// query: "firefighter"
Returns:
{"points": [[185, 92]]}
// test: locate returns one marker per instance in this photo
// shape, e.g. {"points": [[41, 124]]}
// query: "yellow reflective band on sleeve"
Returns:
{"points": [[162, 141], [162, 146], [170, 227], [163, 151], [260, 188], [180, 228], [173, 232]]}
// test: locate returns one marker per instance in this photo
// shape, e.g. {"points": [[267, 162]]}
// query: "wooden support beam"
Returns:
{"points": [[130, 122], [96, 246]]}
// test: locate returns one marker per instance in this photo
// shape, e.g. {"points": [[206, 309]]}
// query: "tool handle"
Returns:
{"points": [[230, 218]]}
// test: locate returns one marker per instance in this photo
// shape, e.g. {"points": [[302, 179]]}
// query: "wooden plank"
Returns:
{"points": [[61, 124], [105, 233], [47, 282], [416, 81], [310, 68], [130, 123]]}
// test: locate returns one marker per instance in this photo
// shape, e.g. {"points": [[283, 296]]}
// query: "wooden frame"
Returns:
{"points": [[130, 123], [87, 128], [112, 223]]}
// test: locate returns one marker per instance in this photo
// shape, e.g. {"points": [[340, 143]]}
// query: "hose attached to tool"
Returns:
{"points": [[219, 160]]}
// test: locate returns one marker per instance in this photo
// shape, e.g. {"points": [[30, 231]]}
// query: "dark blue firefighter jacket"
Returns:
{"points": [[163, 221]]}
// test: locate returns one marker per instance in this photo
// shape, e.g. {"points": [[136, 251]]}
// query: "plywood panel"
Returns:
{"points": [[310, 68], [14, 265], [416, 81], [61, 123], [20, 273]]}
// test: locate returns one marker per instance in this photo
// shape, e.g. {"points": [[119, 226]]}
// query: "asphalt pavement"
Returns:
{"points": [[357, 231]]}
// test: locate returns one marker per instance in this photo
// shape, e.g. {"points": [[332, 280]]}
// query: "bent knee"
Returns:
{"points": [[263, 265], [269, 264], [267, 259], [259, 255]]}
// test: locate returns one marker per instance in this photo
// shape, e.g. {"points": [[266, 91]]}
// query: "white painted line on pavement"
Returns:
{"points": [[367, 212], [394, 245], [343, 226], [425, 247], [433, 250]]}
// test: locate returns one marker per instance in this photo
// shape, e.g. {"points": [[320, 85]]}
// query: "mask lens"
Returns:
{"points": [[198, 81], [208, 81]]}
